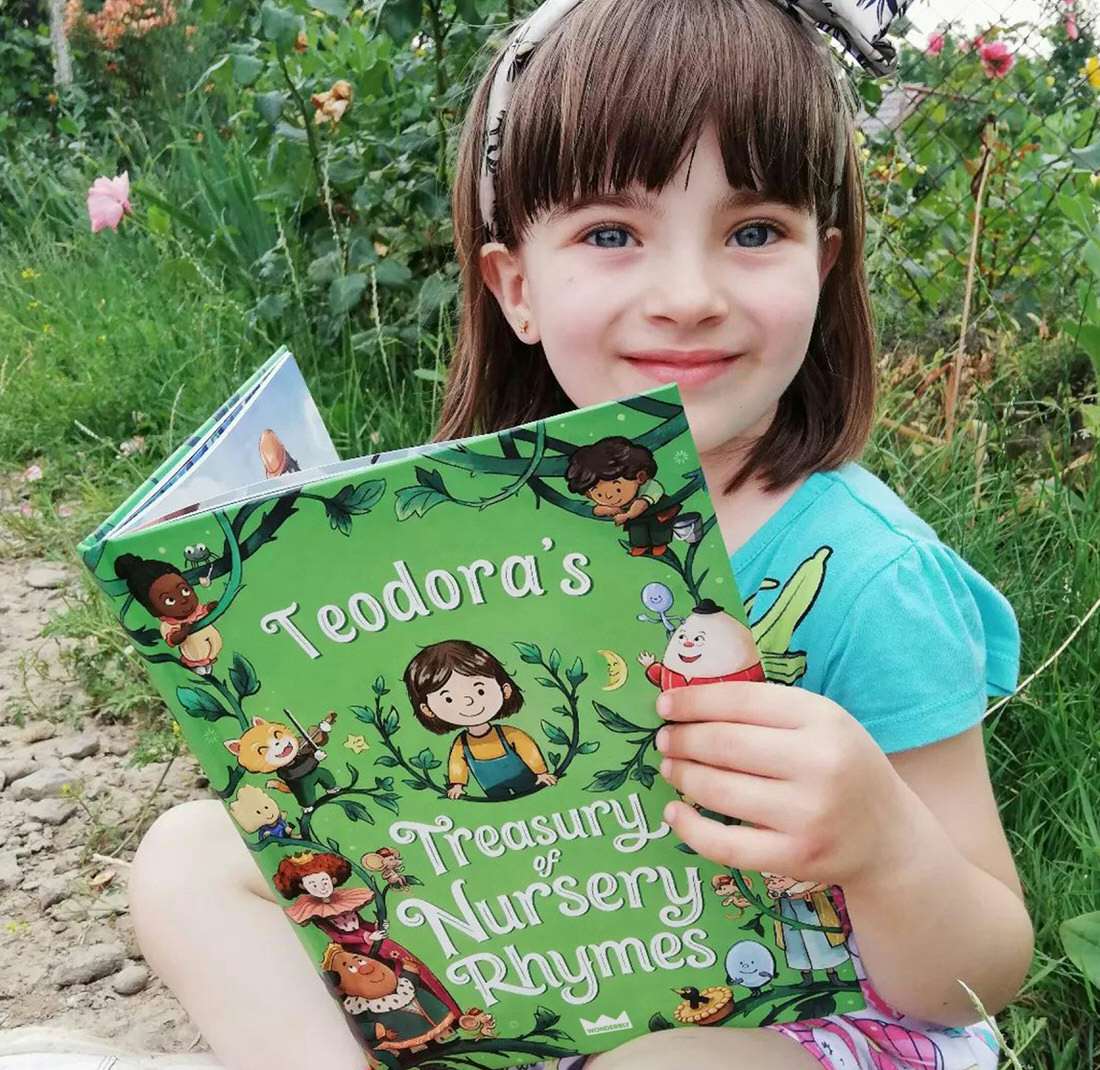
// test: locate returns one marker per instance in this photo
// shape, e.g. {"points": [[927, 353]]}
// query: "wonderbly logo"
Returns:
{"points": [[606, 1024]]}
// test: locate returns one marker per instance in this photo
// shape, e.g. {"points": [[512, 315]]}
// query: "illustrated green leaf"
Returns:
{"points": [[1081, 939], [555, 734], [356, 811], [554, 661], [529, 652], [379, 686], [388, 801], [345, 292], [610, 719], [243, 676], [338, 516], [364, 714], [392, 722], [416, 501], [589, 746], [424, 760], [362, 498], [608, 780], [201, 703], [545, 681], [416, 785], [554, 758], [387, 760], [545, 1019], [575, 674]]}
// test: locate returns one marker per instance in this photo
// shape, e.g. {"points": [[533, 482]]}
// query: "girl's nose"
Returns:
{"points": [[688, 288], [688, 642]]}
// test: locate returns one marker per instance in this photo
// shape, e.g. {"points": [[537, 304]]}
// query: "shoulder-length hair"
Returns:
{"points": [[431, 668], [617, 94]]}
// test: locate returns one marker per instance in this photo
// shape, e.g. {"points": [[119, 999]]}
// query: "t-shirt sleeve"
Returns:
{"points": [[926, 640]]}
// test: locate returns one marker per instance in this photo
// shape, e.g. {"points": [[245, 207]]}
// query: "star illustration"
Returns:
{"points": [[357, 744]]}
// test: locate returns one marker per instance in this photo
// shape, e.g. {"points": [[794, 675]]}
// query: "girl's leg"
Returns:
{"points": [[708, 1049], [211, 928]]}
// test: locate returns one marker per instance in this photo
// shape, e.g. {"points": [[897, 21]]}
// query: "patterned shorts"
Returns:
{"points": [[877, 1038]]}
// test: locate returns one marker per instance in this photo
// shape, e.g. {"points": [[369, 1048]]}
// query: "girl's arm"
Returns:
{"points": [[951, 905]]}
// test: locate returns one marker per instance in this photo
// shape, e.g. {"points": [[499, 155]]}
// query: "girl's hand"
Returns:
{"points": [[817, 796], [454, 791], [547, 780]]}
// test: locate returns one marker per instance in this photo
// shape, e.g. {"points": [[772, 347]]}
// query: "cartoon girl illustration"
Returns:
{"points": [[160, 588], [456, 684], [619, 477], [313, 881]]}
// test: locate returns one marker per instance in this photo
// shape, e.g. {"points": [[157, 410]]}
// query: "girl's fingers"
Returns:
{"points": [[737, 846], [743, 701], [750, 748], [769, 803]]}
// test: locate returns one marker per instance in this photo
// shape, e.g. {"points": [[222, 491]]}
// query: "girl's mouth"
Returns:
{"points": [[690, 657], [685, 373]]}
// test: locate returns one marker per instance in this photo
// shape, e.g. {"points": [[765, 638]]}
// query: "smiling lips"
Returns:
{"points": [[690, 657], [688, 367]]}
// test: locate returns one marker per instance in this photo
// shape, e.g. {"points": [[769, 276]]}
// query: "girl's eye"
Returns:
{"points": [[449, 700], [185, 591], [757, 229], [605, 231], [169, 601], [481, 691]]}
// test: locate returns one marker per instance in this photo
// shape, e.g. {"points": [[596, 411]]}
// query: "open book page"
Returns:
{"points": [[274, 431]]}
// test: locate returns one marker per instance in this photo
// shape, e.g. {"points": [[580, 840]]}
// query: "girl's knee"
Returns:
{"points": [[194, 840]]}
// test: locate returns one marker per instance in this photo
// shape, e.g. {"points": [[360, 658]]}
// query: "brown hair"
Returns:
{"points": [[432, 667], [610, 458], [288, 877], [579, 125]]}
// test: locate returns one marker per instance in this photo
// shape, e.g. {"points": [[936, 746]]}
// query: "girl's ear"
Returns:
{"points": [[506, 691], [503, 274], [829, 250]]}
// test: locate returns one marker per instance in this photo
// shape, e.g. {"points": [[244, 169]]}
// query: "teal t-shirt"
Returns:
{"points": [[894, 626]]}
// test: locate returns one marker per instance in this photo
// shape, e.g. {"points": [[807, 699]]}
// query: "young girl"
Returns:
{"points": [[675, 195], [445, 682]]}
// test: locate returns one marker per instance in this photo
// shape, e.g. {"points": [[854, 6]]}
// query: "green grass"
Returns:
{"points": [[112, 336]]}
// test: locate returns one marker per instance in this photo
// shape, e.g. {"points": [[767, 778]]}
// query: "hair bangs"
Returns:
{"points": [[608, 101]]}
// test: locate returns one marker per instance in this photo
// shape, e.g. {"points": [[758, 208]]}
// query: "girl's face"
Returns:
{"points": [[467, 700], [668, 287]]}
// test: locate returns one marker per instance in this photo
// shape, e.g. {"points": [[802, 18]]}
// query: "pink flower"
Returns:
{"points": [[108, 201], [966, 46], [1071, 27], [997, 59], [935, 44]]}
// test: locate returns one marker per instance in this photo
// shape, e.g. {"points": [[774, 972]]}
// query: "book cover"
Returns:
{"points": [[424, 688]]}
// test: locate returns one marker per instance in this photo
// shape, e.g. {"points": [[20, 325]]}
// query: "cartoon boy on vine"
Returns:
{"points": [[618, 476], [456, 684]]}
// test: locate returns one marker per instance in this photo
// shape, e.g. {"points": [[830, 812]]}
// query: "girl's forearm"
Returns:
{"points": [[935, 920]]}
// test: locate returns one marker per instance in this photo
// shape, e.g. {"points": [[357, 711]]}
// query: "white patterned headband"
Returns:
{"points": [[859, 25]]}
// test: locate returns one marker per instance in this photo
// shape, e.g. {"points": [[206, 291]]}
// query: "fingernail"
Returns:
{"points": [[664, 704], [662, 740], [666, 767], [669, 813]]}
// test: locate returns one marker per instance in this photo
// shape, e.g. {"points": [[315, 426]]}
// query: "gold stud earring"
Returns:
{"points": [[523, 328]]}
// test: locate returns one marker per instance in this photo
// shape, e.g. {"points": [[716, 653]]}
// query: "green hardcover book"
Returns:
{"points": [[423, 684]]}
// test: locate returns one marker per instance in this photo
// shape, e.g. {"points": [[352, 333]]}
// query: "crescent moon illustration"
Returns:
{"points": [[616, 670]]}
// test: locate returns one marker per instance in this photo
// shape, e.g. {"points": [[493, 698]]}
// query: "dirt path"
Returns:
{"points": [[68, 950]]}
